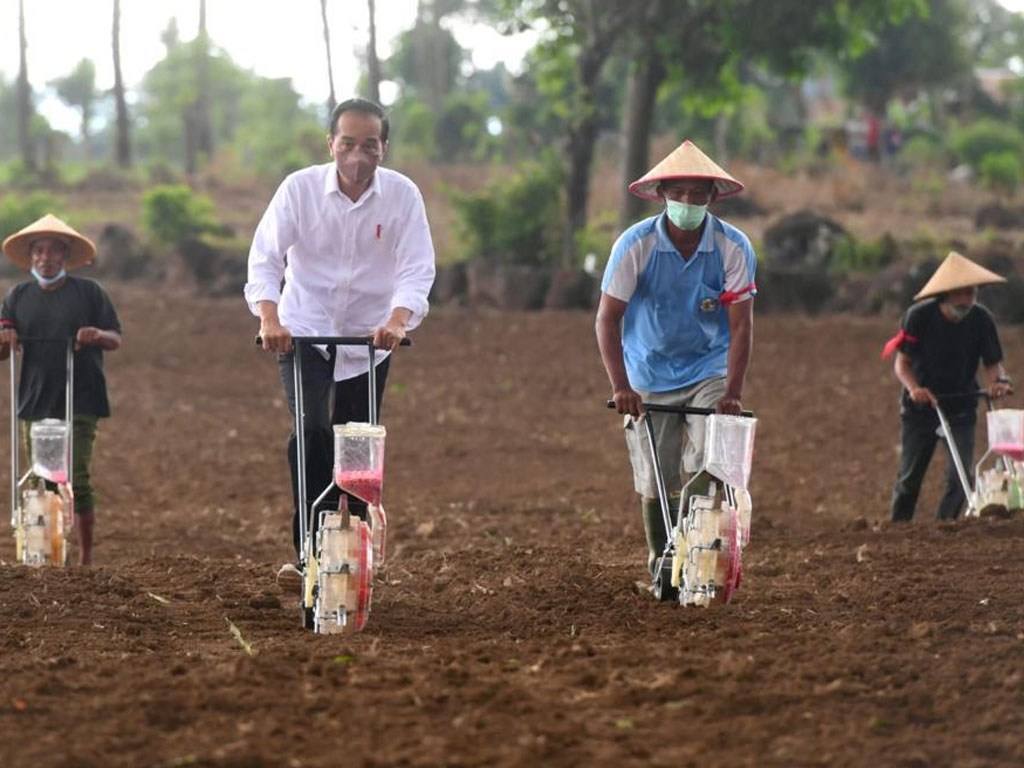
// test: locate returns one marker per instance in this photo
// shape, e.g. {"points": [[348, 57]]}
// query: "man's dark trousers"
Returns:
{"points": [[351, 403], [919, 434]]}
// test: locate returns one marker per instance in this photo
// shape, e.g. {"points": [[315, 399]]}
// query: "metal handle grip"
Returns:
{"points": [[683, 410], [339, 341]]}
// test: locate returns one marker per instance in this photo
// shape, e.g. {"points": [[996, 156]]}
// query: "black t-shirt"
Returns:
{"points": [[59, 313], [944, 355]]}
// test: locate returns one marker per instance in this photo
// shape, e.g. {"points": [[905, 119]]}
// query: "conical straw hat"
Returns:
{"points": [[81, 250], [957, 272], [685, 162]]}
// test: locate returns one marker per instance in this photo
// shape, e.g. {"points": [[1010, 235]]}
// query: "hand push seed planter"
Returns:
{"points": [[42, 500], [339, 553], [702, 560], [999, 473]]}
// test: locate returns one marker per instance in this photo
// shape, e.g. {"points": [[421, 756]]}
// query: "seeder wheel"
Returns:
{"points": [[728, 569], [663, 590], [363, 578], [345, 582]]}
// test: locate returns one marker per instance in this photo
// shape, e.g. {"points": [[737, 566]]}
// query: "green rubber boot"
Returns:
{"points": [[654, 531]]}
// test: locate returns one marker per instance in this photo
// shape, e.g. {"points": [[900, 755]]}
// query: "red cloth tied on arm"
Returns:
{"points": [[731, 297], [894, 343]]}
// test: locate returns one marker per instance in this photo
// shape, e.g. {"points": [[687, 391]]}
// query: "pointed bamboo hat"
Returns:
{"points": [[81, 250], [957, 272], [685, 162]]}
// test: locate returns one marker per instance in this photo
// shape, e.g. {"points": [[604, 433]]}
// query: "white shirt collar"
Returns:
{"points": [[331, 185]]}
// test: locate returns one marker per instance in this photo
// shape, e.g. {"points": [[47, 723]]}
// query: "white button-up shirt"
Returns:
{"points": [[346, 265]]}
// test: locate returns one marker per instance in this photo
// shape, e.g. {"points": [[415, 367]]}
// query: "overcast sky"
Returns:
{"points": [[275, 38]]}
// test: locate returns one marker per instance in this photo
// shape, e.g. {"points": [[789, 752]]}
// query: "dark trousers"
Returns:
{"points": [[320, 392], [917, 444]]}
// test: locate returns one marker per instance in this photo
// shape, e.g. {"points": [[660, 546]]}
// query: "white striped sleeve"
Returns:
{"points": [[623, 268], [740, 264]]}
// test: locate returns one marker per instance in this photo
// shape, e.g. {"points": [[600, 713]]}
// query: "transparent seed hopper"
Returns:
{"points": [[49, 439], [359, 460], [729, 448], [1006, 432], [998, 487], [707, 565]]}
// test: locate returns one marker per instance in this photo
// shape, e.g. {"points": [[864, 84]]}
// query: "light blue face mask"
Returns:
{"points": [[46, 282], [684, 215]]}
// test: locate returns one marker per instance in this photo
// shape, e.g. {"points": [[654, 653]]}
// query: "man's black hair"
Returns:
{"points": [[361, 105]]}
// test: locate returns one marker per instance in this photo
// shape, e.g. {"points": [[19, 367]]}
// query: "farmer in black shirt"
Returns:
{"points": [[56, 305], [942, 341]]}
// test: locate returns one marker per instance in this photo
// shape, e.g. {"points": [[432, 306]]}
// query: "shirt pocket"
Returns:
{"points": [[709, 311]]}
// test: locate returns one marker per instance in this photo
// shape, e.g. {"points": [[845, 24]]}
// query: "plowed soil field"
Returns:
{"points": [[507, 628]]}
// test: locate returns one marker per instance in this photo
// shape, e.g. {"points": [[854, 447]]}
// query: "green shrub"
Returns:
{"points": [[1001, 171], [173, 214], [597, 237], [516, 220], [415, 129], [986, 137], [851, 255], [18, 211], [923, 151]]}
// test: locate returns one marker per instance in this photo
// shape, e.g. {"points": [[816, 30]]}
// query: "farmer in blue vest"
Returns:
{"points": [[675, 322]]}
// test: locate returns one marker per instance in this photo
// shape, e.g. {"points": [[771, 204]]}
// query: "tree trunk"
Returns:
{"points": [[203, 120], [332, 102], [722, 137], [372, 62], [583, 129], [124, 146], [638, 119], [24, 95], [189, 137]]}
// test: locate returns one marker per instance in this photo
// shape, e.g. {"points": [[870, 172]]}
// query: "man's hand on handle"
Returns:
{"points": [[8, 341], [276, 338], [923, 396], [1000, 388], [628, 401], [390, 335], [729, 405]]}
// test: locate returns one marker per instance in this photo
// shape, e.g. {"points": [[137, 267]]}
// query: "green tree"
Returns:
{"points": [[426, 62], [701, 42], [911, 53], [77, 89], [581, 35]]}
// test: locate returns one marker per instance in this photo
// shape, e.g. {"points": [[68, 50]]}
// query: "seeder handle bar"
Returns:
{"points": [[684, 410], [962, 395], [339, 341]]}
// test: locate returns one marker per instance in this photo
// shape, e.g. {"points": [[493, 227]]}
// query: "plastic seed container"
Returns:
{"points": [[1006, 432], [359, 460], [729, 448], [49, 439]]}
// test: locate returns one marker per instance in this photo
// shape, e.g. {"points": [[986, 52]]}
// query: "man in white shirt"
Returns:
{"points": [[351, 242]]}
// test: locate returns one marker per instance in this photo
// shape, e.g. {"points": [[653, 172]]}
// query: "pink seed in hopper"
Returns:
{"points": [[364, 483], [1013, 450]]}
